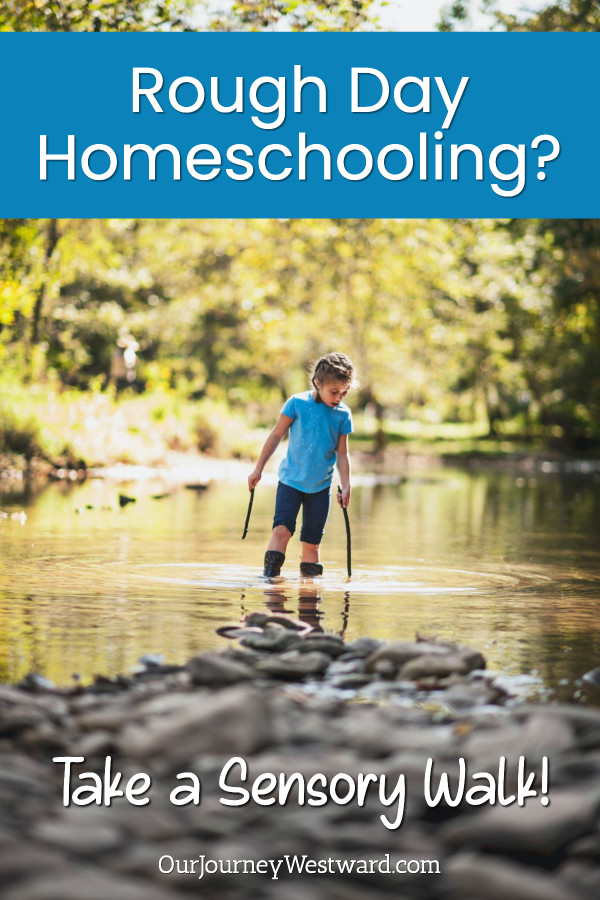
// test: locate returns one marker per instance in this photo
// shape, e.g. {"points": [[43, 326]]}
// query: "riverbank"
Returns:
{"points": [[176, 467], [286, 699], [48, 431]]}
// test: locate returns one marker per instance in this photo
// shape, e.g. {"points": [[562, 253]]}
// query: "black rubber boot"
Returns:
{"points": [[273, 563], [311, 570]]}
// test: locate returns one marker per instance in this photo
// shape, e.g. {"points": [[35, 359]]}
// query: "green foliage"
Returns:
{"points": [[95, 15], [184, 15], [564, 15], [19, 434], [310, 15], [457, 321]]}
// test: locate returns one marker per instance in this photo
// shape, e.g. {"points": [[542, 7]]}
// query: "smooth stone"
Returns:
{"points": [[18, 858], [242, 654], [539, 735], [215, 670], [401, 652], [294, 665], [45, 738], [352, 681], [87, 884], [321, 645], [46, 703], [592, 677], [434, 665], [236, 717], [84, 839], [347, 667], [361, 648], [36, 682], [471, 876], [531, 828], [96, 743], [111, 719], [384, 668], [583, 719], [19, 718], [264, 620], [587, 847], [151, 660], [582, 877], [274, 640], [465, 695]]}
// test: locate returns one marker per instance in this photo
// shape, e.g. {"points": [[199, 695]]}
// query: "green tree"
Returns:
{"points": [[314, 15], [95, 15], [565, 15]]}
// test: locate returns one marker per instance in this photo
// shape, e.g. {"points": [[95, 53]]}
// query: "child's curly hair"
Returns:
{"points": [[333, 367]]}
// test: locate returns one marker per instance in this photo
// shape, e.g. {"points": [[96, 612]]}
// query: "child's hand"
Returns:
{"points": [[254, 479], [343, 497]]}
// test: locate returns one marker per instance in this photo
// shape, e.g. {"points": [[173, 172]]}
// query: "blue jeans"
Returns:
{"points": [[315, 509]]}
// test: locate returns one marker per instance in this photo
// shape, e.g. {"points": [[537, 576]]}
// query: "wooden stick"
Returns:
{"points": [[348, 538], [248, 514]]}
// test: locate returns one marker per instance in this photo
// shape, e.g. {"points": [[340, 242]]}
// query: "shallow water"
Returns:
{"points": [[504, 562]]}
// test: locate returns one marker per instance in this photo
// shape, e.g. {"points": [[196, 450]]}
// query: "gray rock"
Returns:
{"points": [[111, 719], [434, 665], [401, 652], [352, 681], [236, 717], [346, 667], [97, 743], [84, 839], [581, 718], [322, 644], [274, 640], [18, 719], [465, 695], [265, 619], [19, 858], [36, 682], [86, 883], [542, 734], [384, 668], [152, 660], [587, 847], [584, 878], [470, 876], [294, 665], [531, 828], [361, 648], [215, 670]]}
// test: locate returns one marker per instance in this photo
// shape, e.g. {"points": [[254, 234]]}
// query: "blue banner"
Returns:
{"points": [[296, 125]]}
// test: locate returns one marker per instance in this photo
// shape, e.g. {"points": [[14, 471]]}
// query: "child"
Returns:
{"points": [[319, 425]]}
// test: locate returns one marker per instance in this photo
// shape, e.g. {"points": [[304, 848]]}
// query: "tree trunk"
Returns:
{"points": [[51, 242]]}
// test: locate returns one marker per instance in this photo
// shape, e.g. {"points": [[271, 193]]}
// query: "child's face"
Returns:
{"points": [[332, 392]]}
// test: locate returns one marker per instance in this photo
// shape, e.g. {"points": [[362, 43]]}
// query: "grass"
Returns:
{"points": [[76, 428], [95, 428]]}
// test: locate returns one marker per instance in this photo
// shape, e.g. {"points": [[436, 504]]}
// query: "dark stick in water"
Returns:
{"points": [[348, 540], [248, 514]]}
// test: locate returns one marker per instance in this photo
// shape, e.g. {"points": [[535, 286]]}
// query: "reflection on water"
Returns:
{"points": [[508, 564]]}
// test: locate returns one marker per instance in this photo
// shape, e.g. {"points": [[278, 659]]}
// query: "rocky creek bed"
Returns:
{"points": [[285, 699]]}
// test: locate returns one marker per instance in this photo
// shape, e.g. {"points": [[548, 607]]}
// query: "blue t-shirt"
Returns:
{"points": [[314, 434]]}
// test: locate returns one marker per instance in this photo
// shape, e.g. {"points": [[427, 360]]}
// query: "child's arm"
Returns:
{"points": [[343, 464], [270, 446]]}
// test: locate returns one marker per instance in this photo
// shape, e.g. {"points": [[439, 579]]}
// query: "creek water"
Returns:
{"points": [[507, 562]]}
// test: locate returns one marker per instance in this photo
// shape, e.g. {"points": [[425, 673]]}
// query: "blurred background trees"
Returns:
{"points": [[455, 321]]}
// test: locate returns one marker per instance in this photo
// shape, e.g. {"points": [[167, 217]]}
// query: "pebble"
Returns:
{"points": [[293, 665], [532, 828], [289, 699], [477, 877], [216, 670]]}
